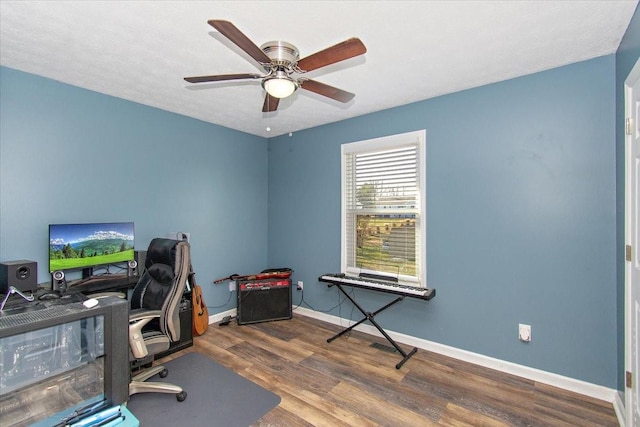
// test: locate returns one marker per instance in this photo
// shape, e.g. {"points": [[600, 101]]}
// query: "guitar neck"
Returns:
{"points": [[259, 276]]}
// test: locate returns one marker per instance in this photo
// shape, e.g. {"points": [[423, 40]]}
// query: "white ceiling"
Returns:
{"points": [[141, 50]]}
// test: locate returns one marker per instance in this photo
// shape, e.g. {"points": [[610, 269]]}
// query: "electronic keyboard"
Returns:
{"points": [[379, 285]]}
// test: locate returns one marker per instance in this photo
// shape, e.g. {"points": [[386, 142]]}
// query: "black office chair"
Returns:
{"points": [[154, 321]]}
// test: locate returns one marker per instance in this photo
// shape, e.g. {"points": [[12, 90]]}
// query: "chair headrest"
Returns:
{"points": [[161, 251]]}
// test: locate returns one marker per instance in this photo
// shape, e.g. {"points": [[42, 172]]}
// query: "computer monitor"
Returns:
{"points": [[86, 246]]}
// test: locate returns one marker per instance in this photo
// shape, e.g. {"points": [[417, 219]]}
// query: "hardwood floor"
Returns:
{"points": [[350, 383]]}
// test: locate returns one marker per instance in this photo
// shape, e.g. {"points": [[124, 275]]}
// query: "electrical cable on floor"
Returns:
{"points": [[341, 300]]}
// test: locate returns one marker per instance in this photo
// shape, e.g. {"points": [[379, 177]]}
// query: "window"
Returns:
{"points": [[384, 207]]}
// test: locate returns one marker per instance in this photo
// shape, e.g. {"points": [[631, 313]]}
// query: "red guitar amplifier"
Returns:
{"points": [[263, 300]]}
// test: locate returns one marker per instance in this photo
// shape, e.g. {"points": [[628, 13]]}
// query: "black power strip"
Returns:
{"points": [[225, 321]]}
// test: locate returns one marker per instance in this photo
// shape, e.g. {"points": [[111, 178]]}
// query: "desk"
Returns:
{"points": [[75, 290], [106, 283], [78, 290]]}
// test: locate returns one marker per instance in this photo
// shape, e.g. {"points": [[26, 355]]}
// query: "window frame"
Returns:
{"points": [[418, 139]]}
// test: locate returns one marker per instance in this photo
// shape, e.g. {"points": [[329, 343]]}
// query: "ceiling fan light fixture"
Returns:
{"points": [[280, 85], [280, 61]]}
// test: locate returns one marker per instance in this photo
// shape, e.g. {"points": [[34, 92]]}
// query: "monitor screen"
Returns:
{"points": [[79, 246]]}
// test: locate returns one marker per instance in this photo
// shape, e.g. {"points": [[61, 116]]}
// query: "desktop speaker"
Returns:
{"points": [[263, 300], [21, 274], [58, 281], [132, 268]]}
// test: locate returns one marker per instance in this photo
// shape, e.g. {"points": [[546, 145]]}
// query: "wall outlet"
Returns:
{"points": [[524, 332], [300, 285], [232, 285]]}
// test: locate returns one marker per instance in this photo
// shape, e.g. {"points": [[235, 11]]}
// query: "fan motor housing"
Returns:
{"points": [[281, 53]]}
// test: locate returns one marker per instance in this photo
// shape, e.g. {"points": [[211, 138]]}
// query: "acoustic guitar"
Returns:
{"points": [[200, 312]]}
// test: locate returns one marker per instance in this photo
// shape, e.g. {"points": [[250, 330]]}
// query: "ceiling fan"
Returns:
{"points": [[281, 62]]}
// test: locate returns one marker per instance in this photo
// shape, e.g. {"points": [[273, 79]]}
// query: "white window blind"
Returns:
{"points": [[383, 207]]}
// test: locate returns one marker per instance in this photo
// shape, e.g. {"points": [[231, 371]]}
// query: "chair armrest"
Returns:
{"points": [[142, 314], [137, 319]]}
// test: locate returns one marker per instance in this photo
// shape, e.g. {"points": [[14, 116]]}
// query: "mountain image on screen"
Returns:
{"points": [[75, 246]]}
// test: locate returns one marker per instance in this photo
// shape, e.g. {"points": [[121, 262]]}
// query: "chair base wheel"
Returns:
{"points": [[164, 373], [181, 396]]}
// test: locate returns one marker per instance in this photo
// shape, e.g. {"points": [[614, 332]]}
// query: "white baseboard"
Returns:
{"points": [[571, 384]]}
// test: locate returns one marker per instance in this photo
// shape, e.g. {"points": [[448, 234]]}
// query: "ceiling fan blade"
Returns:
{"points": [[230, 31], [270, 103], [345, 50], [326, 90], [221, 77]]}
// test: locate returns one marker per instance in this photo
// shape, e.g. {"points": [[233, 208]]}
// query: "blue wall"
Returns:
{"points": [[626, 57], [521, 218], [71, 155], [521, 203]]}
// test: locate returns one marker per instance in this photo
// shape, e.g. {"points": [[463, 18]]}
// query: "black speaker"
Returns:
{"points": [[140, 257], [263, 300], [132, 268], [58, 281], [21, 274]]}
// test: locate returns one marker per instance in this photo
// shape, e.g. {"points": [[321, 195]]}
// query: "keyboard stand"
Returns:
{"points": [[370, 317]]}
